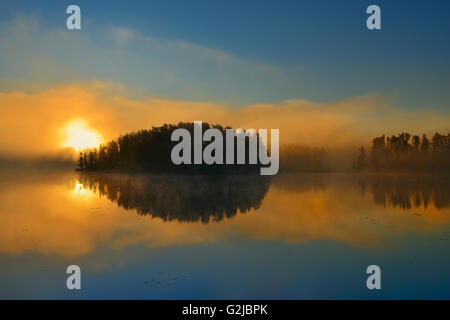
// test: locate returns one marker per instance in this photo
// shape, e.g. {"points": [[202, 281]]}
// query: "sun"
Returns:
{"points": [[78, 135]]}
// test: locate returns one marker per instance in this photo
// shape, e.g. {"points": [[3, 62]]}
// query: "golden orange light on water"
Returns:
{"points": [[79, 189], [81, 192], [79, 136]]}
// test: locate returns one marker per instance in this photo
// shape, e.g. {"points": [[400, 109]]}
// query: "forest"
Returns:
{"points": [[406, 152], [149, 151]]}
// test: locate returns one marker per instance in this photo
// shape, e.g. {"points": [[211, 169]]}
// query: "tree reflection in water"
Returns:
{"points": [[411, 191], [183, 198], [212, 198], [406, 191]]}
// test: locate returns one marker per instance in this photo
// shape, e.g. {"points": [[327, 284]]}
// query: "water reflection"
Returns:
{"points": [[182, 198], [212, 198], [297, 228], [405, 191], [71, 215], [410, 191]]}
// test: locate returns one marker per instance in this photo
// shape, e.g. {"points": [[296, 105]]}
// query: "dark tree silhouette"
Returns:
{"points": [[150, 151], [81, 162], [405, 153], [425, 145], [415, 143], [361, 161]]}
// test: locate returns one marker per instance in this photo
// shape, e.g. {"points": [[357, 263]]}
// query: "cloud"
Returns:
{"points": [[31, 123], [123, 35], [35, 56]]}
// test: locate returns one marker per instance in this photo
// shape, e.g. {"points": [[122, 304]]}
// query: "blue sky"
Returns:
{"points": [[236, 51]]}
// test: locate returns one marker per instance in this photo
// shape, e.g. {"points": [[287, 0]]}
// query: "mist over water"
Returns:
{"points": [[260, 237]]}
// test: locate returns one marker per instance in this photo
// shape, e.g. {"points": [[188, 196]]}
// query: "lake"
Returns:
{"points": [[291, 236]]}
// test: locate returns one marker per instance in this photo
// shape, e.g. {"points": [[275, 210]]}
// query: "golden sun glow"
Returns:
{"points": [[80, 190], [79, 136]]}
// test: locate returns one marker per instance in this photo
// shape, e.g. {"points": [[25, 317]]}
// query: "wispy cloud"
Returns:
{"points": [[37, 56]]}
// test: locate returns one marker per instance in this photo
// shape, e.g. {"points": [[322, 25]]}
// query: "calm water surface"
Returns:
{"points": [[158, 237]]}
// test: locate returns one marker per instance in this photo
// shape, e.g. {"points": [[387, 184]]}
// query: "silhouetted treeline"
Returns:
{"points": [[150, 151], [406, 152], [178, 197]]}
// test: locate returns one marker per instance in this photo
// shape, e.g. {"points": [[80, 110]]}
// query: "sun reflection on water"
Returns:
{"points": [[80, 190]]}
